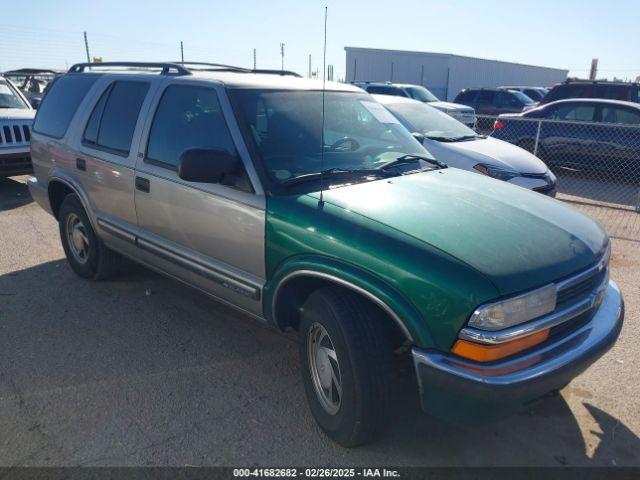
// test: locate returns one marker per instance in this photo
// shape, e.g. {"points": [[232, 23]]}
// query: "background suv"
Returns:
{"points": [[462, 113], [494, 101], [16, 117], [629, 92]]}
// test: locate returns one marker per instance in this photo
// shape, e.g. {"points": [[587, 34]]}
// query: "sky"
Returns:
{"points": [[555, 33]]}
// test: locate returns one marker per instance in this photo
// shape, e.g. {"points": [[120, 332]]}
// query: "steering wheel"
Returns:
{"points": [[338, 145]]}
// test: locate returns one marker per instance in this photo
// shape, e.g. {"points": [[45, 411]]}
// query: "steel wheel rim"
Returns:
{"points": [[77, 238], [324, 368]]}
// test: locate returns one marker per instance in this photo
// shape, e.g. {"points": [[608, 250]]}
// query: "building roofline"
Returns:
{"points": [[450, 55]]}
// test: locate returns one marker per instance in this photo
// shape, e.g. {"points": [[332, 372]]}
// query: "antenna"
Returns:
{"points": [[324, 79]]}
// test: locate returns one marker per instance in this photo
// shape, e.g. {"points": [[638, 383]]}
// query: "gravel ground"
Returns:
{"points": [[141, 370]]}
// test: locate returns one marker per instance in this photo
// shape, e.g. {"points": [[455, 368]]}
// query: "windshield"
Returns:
{"points": [[286, 128], [9, 98], [522, 97], [421, 94], [430, 122]]}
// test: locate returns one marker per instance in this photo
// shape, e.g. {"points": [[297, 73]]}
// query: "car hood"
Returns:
{"points": [[16, 114], [488, 150], [517, 238], [448, 106]]}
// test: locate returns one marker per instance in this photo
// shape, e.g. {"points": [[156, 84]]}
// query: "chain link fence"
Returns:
{"points": [[597, 164]]}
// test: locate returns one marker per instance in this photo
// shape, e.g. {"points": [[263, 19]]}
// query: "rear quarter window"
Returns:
{"points": [[114, 118], [467, 96], [60, 104]]}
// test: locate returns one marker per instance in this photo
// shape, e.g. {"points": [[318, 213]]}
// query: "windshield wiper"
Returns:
{"points": [[334, 172], [406, 159], [454, 139]]}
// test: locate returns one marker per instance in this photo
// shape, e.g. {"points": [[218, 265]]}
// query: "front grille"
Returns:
{"points": [[15, 133], [579, 291]]}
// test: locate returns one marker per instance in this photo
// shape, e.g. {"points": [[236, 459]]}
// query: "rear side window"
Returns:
{"points": [[620, 115], [572, 112], [614, 92], [187, 117], [60, 104], [465, 96], [485, 96], [570, 91], [386, 91], [113, 120], [507, 99]]}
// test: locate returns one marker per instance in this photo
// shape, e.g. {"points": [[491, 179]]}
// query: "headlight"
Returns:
{"points": [[496, 172], [515, 310]]}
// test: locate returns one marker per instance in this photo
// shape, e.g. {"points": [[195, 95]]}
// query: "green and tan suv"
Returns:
{"points": [[340, 226]]}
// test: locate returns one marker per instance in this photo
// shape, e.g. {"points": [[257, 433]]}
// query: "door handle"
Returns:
{"points": [[142, 184], [81, 164]]}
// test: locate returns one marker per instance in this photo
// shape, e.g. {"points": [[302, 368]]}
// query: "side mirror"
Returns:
{"points": [[207, 165], [419, 137]]}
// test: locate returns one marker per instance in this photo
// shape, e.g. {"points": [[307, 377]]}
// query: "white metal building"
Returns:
{"points": [[442, 73]]}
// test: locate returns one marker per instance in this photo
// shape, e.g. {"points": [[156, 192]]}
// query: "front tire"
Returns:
{"points": [[86, 254], [347, 361]]}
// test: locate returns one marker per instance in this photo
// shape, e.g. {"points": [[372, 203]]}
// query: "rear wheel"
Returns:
{"points": [[85, 252], [347, 362]]}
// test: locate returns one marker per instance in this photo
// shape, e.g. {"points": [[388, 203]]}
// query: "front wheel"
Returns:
{"points": [[347, 363]]}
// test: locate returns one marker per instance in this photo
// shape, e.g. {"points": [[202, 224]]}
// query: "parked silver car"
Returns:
{"points": [[462, 113], [458, 146]]}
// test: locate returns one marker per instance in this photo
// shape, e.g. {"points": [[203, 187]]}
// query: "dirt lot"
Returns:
{"points": [[143, 371]]}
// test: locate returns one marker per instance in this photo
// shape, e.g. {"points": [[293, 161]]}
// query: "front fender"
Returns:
{"points": [[344, 274]]}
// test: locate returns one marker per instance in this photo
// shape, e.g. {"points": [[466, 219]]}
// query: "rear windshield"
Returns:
{"points": [[60, 104], [428, 121], [421, 94]]}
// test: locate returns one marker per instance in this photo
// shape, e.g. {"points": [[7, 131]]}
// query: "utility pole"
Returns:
{"points": [[254, 59], [181, 52], [594, 69], [86, 47], [282, 56], [309, 65]]}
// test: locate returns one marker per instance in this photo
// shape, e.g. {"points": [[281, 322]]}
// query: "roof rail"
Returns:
{"points": [[166, 67], [276, 72], [232, 68], [216, 66]]}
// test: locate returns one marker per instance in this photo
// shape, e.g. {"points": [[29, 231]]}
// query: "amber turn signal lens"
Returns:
{"points": [[489, 353]]}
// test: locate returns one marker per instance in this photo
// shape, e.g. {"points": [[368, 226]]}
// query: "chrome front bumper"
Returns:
{"points": [[448, 382]]}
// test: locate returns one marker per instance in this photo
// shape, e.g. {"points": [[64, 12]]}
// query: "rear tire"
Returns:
{"points": [[86, 254], [347, 362]]}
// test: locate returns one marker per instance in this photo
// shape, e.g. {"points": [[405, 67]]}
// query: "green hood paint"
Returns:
{"points": [[442, 241], [518, 238]]}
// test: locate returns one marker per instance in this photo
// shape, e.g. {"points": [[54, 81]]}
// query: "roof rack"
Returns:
{"points": [[180, 68], [217, 66], [276, 72], [32, 71], [166, 67], [220, 67]]}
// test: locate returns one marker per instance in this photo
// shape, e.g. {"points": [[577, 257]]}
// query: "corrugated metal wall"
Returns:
{"points": [[445, 75]]}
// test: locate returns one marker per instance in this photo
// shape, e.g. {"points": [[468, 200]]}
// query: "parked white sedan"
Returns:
{"points": [[458, 146]]}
